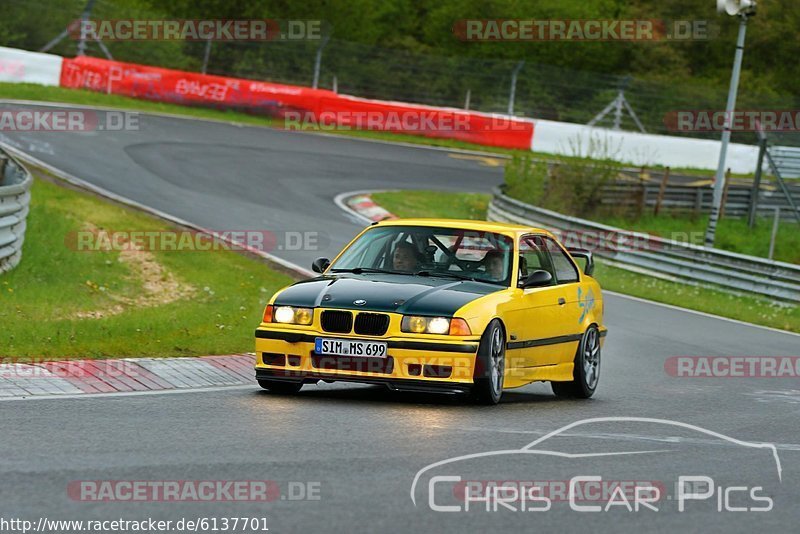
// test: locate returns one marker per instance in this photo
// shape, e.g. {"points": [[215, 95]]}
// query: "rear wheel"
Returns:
{"points": [[281, 386], [490, 365], [587, 368]]}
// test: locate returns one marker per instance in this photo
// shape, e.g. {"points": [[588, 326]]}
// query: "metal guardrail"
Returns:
{"points": [[15, 196], [663, 257]]}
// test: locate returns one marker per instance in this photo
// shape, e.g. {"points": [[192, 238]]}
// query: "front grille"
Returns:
{"points": [[337, 321], [372, 324]]}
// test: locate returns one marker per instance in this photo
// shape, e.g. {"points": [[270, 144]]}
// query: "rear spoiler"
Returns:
{"points": [[587, 256]]}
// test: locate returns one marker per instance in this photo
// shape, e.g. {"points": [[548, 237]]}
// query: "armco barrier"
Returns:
{"points": [[15, 196], [664, 257], [322, 106]]}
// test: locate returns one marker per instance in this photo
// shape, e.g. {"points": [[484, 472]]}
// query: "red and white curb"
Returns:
{"points": [[127, 375], [366, 207]]}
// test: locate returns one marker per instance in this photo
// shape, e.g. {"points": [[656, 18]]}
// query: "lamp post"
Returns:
{"points": [[743, 9]]}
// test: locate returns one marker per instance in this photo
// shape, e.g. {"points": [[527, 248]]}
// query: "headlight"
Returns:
{"points": [[292, 315], [415, 324]]}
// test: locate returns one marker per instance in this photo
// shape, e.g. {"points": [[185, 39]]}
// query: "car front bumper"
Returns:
{"points": [[411, 363]]}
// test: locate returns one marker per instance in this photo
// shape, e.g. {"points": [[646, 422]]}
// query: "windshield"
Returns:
{"points": [[430, 251]]}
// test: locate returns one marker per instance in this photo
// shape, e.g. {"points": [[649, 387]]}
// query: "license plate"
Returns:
{"points": [[350, 347]]}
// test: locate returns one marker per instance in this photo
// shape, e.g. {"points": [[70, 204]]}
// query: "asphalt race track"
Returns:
{"points": [[356, 449]]}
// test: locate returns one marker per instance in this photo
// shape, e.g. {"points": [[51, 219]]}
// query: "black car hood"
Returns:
{"points": [[411, 295]]}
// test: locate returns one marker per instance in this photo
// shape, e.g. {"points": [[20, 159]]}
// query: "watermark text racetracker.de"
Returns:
{"points": [[194, 241], [584, 30], [196, 30], [67, 120], [733, 366], [767, 120], [408, 121], [193, 490]]}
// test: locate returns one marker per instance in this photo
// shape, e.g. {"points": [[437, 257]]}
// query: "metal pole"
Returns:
{"points": [[318, 60], [774, 235], [206, 55], [719, 182], [618, 109], [466, 100], [335, 84], [84, 17], [513, 94], [60, 37], [753, 208]]}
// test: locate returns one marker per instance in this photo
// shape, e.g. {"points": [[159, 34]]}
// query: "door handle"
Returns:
{"points": [[561, 301]]}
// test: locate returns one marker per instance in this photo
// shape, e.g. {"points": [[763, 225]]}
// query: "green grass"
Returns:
{"points": [[434, 204], [742, 307], [732, 234], [40, 300], [26, 91]]}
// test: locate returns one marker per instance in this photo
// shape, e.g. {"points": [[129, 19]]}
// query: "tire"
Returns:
{"points": [[490, 365], [586, 374], [281, 387]]}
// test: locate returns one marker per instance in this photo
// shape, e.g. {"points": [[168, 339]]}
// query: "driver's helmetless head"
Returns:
{"points": [[494, 264], [404, 257]]}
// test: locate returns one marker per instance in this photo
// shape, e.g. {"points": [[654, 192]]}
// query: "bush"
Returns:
{"points": [[568, 184]]}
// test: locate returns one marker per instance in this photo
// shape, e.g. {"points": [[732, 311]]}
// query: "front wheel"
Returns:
{"points": [[490, 365], [280, 386], [586, 374]]}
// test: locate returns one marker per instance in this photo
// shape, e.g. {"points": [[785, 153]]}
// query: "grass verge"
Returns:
{"points": [[64, 303], [705, 299], [732, 234]]}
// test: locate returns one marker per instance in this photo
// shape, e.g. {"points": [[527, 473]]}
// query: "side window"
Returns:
{"points": [[565, 270], [532, 256]]}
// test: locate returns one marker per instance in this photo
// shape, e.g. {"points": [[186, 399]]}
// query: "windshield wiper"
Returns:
{"points": [[360, 270], [446, 275]]}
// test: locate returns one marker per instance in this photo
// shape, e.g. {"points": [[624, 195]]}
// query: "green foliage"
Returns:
{"points": [[570, 185], [525, 179]]}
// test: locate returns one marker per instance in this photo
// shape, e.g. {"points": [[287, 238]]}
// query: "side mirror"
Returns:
{"points": [[585, 255], [537, 278], [320, 264]]}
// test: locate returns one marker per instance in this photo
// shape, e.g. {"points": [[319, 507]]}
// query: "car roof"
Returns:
{"points": [[467, 224]]}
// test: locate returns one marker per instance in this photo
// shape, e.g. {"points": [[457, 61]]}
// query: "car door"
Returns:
{"points": [[572, 303], [536, 318]]}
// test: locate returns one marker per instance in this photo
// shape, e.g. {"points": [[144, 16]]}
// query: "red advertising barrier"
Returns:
{"points": [[300, 107], [166, 85]]}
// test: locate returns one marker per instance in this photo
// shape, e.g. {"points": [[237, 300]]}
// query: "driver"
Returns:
{"points": [[494, 261], [405, 257]]}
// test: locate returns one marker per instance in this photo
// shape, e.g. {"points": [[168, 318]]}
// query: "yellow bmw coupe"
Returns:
{"points": [[437, 305]]}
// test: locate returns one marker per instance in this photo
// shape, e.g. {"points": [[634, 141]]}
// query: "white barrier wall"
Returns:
{"points": [[641, 149], [21, 66]]}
